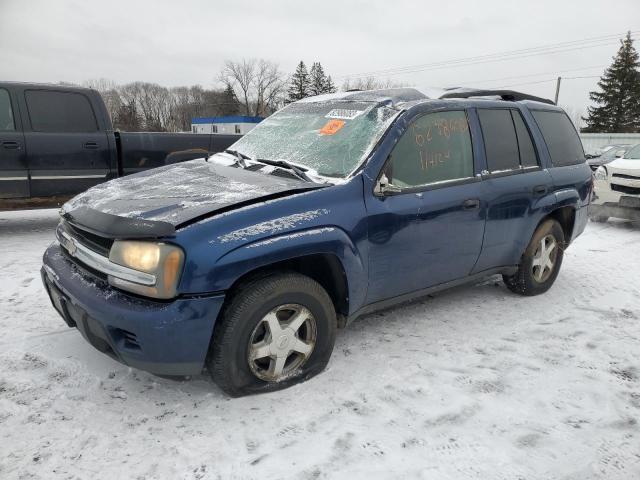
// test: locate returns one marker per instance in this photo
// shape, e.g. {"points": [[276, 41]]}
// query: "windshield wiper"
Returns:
{"points": [[298, 171], [241, 161], [240, 157]]}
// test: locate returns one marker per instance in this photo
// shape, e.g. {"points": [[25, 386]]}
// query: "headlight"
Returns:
{"points": [[601, 173], [161, 260]]}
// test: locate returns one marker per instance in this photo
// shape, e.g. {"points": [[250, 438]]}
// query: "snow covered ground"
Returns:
{"points": [[474, 383]]}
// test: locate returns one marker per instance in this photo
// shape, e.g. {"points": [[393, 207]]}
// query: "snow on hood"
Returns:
{"points": [[181, 192]]}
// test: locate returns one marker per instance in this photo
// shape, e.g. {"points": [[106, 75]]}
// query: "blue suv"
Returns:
{"points": [[247, 261]]}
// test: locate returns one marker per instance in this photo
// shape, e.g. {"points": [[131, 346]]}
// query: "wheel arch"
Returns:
{"points": [[325, 254], [566, 217], [324, 268]]}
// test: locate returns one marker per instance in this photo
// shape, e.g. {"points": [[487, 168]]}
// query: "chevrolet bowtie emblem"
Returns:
{"points": [[71, 246]]}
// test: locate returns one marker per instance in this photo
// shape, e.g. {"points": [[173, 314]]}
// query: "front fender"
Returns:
{"points": [[318, 240]]}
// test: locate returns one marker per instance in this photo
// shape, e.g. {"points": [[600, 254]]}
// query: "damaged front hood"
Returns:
{"points": [[179, 193]]}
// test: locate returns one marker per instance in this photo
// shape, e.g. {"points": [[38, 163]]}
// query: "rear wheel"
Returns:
{"points": [[540, 262], [275, 332]]}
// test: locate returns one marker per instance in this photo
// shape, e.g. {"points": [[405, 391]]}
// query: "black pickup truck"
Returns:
{"points": [[57, 141]]}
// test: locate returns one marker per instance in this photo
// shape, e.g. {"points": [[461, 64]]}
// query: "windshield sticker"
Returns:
{"points": [[343, 113], [332, 127]]}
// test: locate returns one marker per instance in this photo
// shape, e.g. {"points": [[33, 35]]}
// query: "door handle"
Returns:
{"points": [[11, 145], [91, 146], [540, 190], [471, 204]]}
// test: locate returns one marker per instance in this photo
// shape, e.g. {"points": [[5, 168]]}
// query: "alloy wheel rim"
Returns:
{"points": [[544, 259], [282, 342]]}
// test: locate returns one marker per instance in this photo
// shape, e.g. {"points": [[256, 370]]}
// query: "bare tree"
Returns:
{"points": [[269, 87], [128, 117], [239, 76], [370, 83], [143, 106], [109, 92], [258, 84], [575, 114]]}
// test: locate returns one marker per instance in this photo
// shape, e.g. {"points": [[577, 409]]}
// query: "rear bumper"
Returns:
{"points": [[165, 338]]}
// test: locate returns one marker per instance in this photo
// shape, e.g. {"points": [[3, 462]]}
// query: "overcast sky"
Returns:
{"points": [[186, 42]]}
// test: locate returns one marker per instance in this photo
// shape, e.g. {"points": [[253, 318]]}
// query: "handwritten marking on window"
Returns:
{"points": [[438, 128], [431, 159], [433, 134]]}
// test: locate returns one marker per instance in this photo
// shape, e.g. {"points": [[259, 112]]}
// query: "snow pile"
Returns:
{"points": [[474, 383]]}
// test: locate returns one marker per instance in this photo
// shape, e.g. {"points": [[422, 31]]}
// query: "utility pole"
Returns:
{"points": [[558, 89]]}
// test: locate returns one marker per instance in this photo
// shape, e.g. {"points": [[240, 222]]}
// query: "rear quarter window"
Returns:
{"points": [[60, 112], [560, 136]]}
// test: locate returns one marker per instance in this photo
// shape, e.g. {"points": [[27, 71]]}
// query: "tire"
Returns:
{"points": [[529, 280], [246, 328]]}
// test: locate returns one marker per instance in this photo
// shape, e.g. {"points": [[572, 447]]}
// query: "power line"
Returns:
{"points": [[475, 82], [500, 56], [492, 60], [572, 43], [575, 78], [545, 81]]}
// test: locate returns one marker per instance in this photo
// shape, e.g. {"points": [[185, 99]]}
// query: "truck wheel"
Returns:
{"points": [[540, 262], [276, 331]]}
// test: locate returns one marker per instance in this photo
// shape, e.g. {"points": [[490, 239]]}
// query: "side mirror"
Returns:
{"points": [[619, 153], [384, 187]]}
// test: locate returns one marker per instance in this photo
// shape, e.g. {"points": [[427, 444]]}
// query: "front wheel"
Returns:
{"points": [[276, 331], [540, 262]]}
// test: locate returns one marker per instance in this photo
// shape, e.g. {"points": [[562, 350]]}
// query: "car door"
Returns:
{"points": [[14, 176], [67, 153], [513, 186], [428, 230]]}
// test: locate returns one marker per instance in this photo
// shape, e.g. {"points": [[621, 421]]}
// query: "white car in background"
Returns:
{"points": [[617, 189]]}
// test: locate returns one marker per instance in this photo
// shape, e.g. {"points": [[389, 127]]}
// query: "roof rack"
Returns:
{"points": [[508, 95]]}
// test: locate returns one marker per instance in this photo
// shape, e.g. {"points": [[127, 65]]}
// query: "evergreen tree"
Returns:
{"points": [[316, 81], [229, 104], [299, 85], [329, 87], [618, 101], [319, 82]]}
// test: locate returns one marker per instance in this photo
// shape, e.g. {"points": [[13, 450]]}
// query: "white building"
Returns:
{"points": [[239, 124]]}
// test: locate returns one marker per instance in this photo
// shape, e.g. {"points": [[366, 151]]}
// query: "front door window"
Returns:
{"points": [[435, 148]]}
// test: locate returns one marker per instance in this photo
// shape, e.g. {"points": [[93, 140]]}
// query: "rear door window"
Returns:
{"points": [[560, 136], [60, 112], [6, 113], [435, 148], [500, 141]]}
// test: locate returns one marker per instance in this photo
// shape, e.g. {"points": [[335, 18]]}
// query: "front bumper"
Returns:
{"points": [[164, 338], [609, 203]]}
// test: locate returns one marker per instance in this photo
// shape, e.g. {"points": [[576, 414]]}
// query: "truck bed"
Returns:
{"points": [[143, 150]]}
